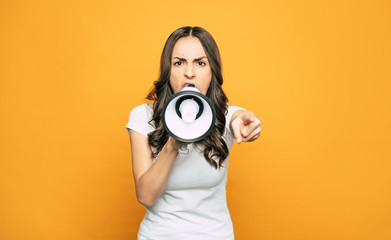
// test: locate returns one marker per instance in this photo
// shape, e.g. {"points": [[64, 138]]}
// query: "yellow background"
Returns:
{"points": [[317, 73]]}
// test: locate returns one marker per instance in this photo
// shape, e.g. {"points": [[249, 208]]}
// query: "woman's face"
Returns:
{"points": [[189, 64]]}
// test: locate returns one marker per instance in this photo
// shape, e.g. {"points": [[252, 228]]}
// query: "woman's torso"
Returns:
{"points": [[193, 204]]}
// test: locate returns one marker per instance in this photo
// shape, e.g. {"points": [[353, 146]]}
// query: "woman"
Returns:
{"points": [[183, 185]]}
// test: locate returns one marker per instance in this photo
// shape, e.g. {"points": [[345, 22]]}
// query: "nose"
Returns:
{"points": [[189, 72]]}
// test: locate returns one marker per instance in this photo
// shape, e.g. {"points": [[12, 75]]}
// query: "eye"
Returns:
{"points": [[201, 63], [178, 63]]}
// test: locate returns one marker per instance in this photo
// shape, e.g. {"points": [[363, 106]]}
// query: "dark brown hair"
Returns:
{"points": [[215, 147]]}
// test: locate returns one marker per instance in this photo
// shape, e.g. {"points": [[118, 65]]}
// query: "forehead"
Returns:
{"points": [[188, 47]]}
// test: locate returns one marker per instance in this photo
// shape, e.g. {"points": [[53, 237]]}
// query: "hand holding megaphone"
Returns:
{"points": [[188, 116]]}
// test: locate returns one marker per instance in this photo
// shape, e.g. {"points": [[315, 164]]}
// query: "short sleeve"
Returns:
{"points": [[231, 110], [138, 120]]}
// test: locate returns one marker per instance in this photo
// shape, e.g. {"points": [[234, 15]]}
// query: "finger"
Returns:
{"points": [[236, 128], [253, 135], [248, 129], [248, 118]]}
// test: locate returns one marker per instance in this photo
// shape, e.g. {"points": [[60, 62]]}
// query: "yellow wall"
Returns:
{"points": [[317, 73]]}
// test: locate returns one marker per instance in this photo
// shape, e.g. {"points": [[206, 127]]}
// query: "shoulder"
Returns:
{"points": [[139, 118], [142, 112], [142, 109]]}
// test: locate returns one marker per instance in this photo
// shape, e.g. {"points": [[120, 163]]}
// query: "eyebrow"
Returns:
{"points": [[195, 59]]}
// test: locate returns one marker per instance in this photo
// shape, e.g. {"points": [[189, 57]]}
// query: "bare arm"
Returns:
{"points": [[150, 177]]}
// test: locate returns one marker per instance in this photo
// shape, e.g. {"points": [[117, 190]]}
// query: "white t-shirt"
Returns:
{"points": [[193, 204]]}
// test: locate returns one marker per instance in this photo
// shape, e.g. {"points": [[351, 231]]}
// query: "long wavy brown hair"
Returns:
{"points": [[214, 146]]}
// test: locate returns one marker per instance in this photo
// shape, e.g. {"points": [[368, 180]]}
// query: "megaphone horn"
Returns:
{"points": [[188, 116]]}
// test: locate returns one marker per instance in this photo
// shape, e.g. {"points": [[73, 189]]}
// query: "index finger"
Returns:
{"points": [[236, 125]]}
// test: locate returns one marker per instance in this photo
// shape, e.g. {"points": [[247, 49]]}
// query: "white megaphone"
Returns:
{"points": [[188, 116]]}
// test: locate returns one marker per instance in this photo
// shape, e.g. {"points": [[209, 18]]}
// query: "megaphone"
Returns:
{"points": [[188, 116]]}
